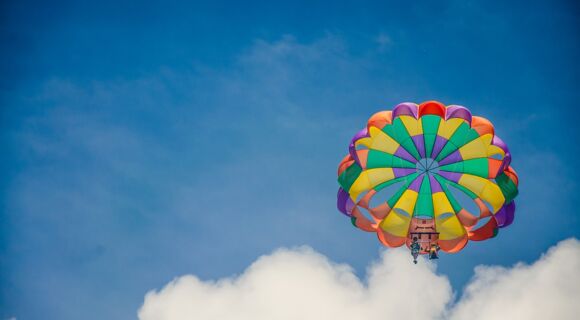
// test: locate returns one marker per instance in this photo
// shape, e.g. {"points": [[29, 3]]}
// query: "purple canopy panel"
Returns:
{"points": [[406, 108], [505, 215], [341, 199], [352, 148], [455, 111], [404, 154], [420, 144], [439, 144], [435, 186], [416, 184], [452, 176], [451, 158]]}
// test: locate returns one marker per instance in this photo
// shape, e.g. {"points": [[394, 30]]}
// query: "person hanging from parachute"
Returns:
{"points": [[428, 161], [415, 248], [433, 251]]}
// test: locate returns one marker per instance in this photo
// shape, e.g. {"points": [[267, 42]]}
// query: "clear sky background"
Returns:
{"points": [[148, 140]]}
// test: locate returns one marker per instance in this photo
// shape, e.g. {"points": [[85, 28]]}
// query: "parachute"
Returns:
{"points": [[429, 174]]}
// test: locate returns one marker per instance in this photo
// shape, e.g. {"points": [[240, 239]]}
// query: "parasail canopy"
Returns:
{"points": [[429, 171]]}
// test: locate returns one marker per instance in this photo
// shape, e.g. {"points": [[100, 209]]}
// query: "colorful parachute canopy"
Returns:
{"points": [[428, 171]]}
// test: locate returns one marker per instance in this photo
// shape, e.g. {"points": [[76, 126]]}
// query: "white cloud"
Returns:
{"points": [[303, 284], [547, 289]]}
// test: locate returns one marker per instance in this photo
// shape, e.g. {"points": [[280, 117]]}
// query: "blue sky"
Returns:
{"points": [[144, 141]]}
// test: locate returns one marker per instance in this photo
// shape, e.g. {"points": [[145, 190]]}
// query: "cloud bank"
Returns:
{"points": [[303, 284]]}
